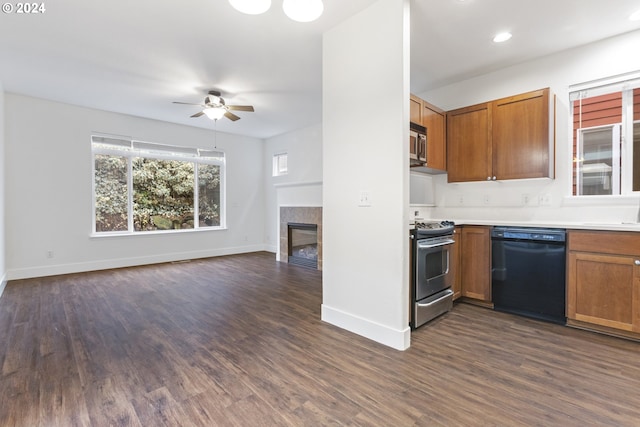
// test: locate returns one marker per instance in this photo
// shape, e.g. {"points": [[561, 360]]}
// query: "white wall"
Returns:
{"points": [[3, 270], [599, 60], [48, 193], [301, 186], [365, 266]]}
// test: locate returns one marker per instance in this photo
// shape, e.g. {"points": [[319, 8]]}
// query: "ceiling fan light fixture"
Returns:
{"points": [[251, 7], [213, 100], [214, 113], [303, 10]]}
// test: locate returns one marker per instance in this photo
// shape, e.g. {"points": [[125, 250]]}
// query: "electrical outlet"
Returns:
{"points": [[49, 253], [486, 199], [528, 200], [545, 200], [460, 200]]}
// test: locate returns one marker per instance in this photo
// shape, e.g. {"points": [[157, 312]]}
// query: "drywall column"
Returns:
{"points": [[365, 174]]}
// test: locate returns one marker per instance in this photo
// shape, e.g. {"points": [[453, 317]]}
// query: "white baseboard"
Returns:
{"points": [[53, 270], [398, 339]]}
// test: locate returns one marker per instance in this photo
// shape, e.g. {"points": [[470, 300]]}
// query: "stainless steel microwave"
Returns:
{"points": [[417, 144]]}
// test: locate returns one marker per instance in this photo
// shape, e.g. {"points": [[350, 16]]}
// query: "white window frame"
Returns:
{"points": [[616, 147], [624, 83], [278, 170], [130, 148]]}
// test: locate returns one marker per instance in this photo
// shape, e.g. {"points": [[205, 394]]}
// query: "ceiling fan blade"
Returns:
{"points": [[231, 116], [187, 103], [240, 107], [198, 114]]}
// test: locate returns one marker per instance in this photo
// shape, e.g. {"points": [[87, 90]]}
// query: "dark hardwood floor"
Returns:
{"points": [[238, 341]]}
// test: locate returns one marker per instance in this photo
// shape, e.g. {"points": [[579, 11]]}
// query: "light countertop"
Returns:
{"points": [[570, 225]]}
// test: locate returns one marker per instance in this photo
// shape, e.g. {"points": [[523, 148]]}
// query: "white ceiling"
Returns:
{"points": [[136, 57]]}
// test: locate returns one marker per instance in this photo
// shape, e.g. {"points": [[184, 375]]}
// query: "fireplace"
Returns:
{"points": [[301, 236], [303, 244]]}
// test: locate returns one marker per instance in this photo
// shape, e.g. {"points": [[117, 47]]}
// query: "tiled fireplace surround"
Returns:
{"points": [[301, 215]]}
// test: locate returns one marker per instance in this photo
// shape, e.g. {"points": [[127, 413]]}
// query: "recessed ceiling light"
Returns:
{"points": [[635, 16], [251, 7], [303, 10], [502, 37]]}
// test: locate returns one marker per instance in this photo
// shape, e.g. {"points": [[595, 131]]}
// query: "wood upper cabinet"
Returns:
{"points": [[520, 135], [509, 138], [475, 254], [434, 119], [415, 108], [603, 279], [469, 143]]}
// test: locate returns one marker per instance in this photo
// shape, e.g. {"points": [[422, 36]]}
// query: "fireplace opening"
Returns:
{"points": [[303, 244]]}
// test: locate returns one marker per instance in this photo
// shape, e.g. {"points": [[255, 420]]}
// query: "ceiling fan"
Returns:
{"points": [[215, 107]]}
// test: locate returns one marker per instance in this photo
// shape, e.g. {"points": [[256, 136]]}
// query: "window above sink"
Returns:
{"points": [[606, 137]]}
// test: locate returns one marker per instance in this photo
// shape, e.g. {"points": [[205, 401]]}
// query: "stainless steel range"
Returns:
{"points": [[431, 293]]}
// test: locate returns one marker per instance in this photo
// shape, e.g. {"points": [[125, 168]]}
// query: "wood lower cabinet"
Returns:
{"points": [[509, 138], [475, 254], [455, 264], [603, 280]]}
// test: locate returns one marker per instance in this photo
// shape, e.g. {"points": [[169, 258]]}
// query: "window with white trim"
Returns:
{"points": [[143, 187], [606, 137], [280, 164]]}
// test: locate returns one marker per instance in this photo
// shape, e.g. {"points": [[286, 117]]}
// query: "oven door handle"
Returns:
{"points": [[445, 294], [435, 244]]}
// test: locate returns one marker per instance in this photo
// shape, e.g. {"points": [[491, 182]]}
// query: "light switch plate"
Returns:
{"points": [[365, 198]]}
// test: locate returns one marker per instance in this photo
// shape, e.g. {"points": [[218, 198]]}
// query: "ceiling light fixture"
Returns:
{"points": [[214, 113], [502, 37], [298, 10], [303, 10], [251, 7], [635, 16]]}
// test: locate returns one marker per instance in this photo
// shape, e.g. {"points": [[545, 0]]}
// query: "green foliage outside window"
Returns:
{"points": [[163, 194], [111, 194], [209, 195]]}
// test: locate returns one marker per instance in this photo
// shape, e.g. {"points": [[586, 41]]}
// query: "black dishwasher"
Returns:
{"points": [[528, 272]]}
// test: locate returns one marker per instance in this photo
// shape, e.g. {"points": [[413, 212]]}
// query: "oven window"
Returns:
{"points": [[436, 264]]}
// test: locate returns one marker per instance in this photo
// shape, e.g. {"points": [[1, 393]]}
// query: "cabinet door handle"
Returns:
{"points": [[637, 262], [494, 178]]}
